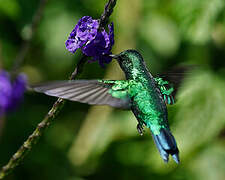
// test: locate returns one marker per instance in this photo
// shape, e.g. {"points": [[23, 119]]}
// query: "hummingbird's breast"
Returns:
{"points": [[147, 102]]}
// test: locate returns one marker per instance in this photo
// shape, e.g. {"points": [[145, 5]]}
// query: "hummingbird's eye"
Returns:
{"points": [[125, 61]]}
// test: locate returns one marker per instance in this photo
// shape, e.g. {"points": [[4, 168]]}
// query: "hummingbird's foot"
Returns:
{"points": [[140, 129]]}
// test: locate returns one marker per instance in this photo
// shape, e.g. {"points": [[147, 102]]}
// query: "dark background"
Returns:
{"points": [[87, 142]]}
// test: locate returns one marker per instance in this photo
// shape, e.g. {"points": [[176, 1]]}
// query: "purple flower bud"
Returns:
{"points": [[93, 43], [11, 93]]}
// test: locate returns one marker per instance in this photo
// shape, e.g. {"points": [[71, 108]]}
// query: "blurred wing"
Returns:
{"points": [[85, 91], [176, 76], [166, 90]]}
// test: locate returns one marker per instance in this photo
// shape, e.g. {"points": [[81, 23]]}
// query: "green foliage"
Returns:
{"points": [[9, 8], [197, 18]]}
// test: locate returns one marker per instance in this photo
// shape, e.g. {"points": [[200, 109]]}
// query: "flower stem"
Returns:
{"points": [[27, 41], [2, 122], [107, 12], [33, 138]]}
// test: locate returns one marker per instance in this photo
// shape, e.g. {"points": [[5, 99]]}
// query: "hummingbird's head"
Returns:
{"points": [[129, 60]]}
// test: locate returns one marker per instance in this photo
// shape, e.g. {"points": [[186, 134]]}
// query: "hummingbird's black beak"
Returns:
{"points": [[114, 56]]}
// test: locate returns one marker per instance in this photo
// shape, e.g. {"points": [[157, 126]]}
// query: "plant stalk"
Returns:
{"points": [[17, 158]]}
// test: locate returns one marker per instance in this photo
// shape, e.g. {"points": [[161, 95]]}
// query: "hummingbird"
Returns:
{"points": [[146, 96]]}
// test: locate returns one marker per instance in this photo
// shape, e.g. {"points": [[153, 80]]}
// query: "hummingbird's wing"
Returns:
{"points": [[174, 78], [166, 90], [86, 91]]}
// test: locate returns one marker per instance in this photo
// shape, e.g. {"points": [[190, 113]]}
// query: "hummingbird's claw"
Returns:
{"points": [[140, 129]]}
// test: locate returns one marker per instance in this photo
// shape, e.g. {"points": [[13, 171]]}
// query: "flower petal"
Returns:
{"points": [[85, 30], [93, 43], [11, 93], [5, 89]]}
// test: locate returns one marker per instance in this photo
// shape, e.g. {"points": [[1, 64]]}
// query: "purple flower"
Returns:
{"points": [[19, 87], [85, 30], [11, 93], [101, 46], [5, 90], [94, 43]]}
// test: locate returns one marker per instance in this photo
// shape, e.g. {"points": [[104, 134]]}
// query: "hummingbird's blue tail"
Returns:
{"points": [[166, 145]]}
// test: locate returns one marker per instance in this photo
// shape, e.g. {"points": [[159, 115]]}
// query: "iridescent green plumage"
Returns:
{"points": [[141, 95], [145, 95], [165, 90]]}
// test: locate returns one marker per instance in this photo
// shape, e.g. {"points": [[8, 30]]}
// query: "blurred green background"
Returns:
{"points": [[98, 142]]}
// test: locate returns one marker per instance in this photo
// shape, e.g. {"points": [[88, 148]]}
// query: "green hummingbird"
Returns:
{"points": [[141, 93]]}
